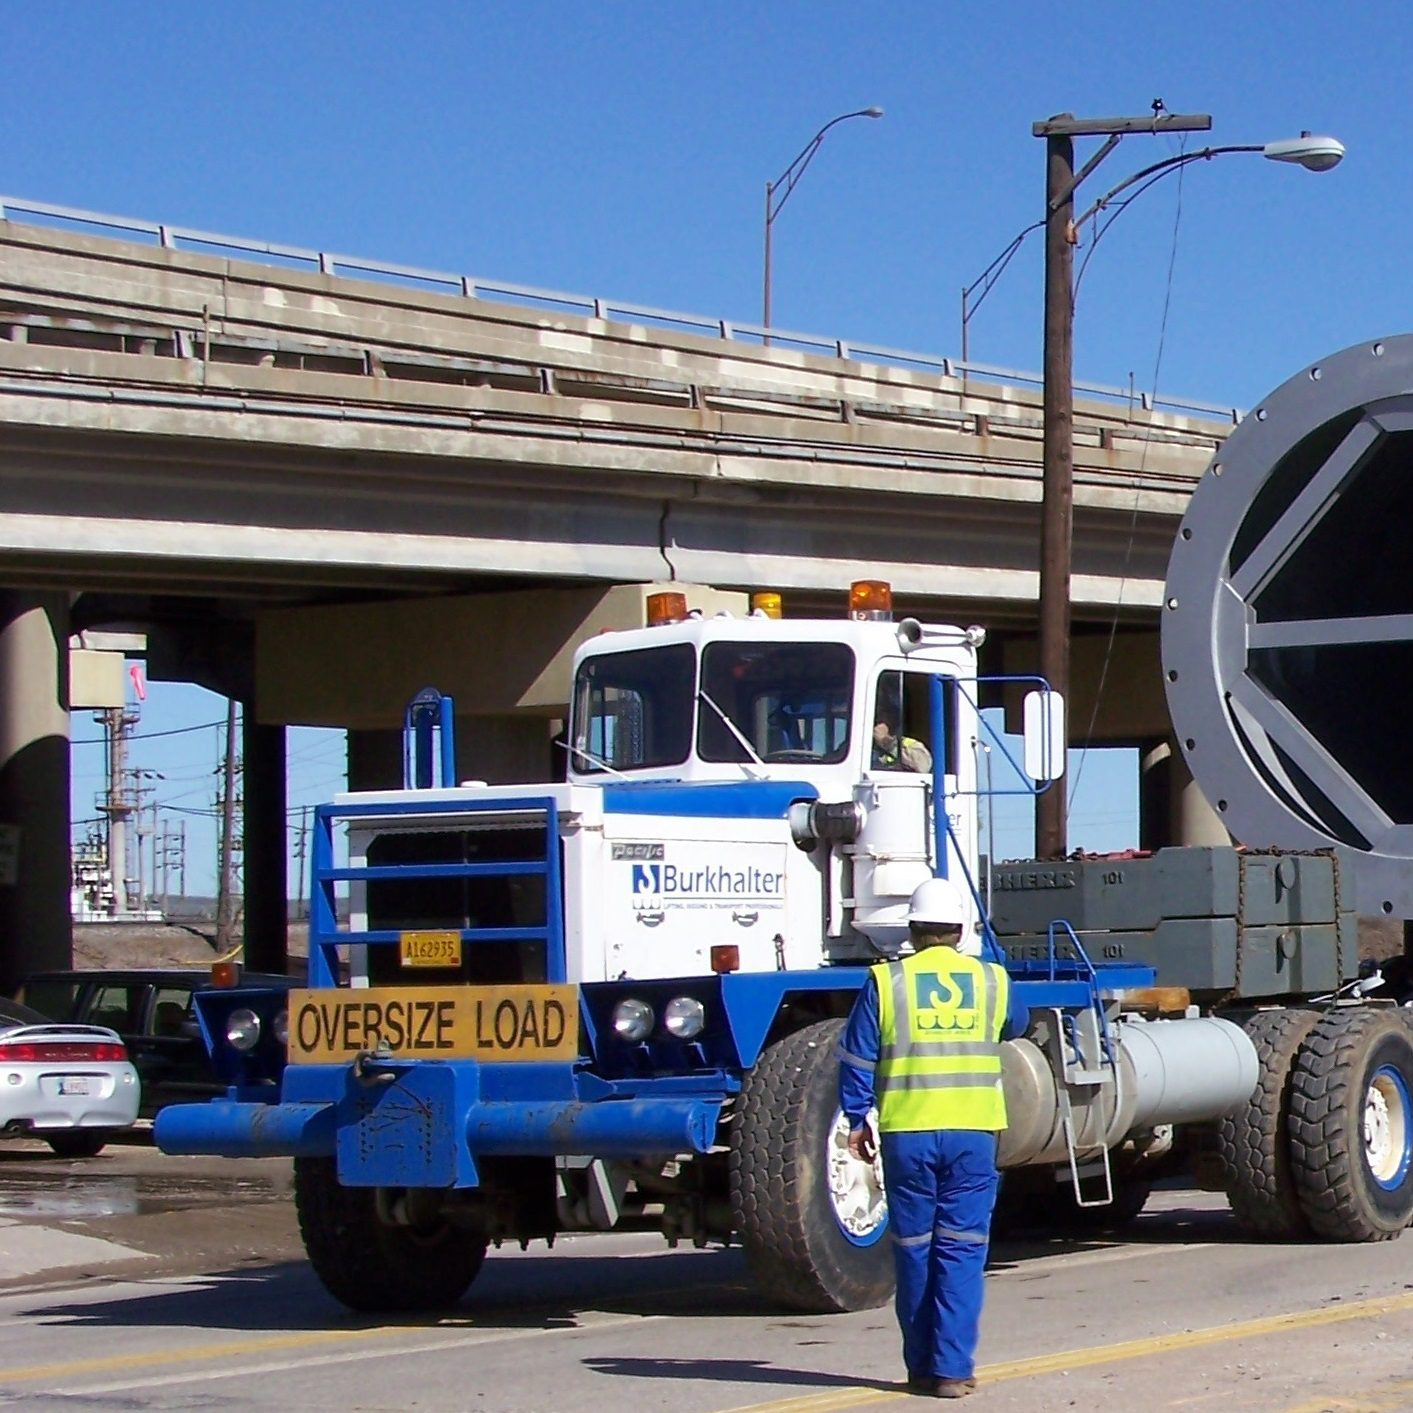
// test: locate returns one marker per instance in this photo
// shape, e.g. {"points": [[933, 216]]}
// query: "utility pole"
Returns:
{"points": [[301, 849], [1057, 469], [1057, 506], [225, 884]]}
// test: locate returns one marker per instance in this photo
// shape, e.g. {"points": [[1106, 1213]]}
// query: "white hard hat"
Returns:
{"points": [[938, 903]]}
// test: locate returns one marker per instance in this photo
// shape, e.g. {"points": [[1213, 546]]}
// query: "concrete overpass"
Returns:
{"points": [[245, 449]]}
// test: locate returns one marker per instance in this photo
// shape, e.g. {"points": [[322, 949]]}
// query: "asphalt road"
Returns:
{"points": [[139, 1282]]}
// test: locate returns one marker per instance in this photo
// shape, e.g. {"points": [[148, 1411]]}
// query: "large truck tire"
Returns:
{"points": [[810, 1245], [369, 1264], [1253, 1139], [1351, 1125]]}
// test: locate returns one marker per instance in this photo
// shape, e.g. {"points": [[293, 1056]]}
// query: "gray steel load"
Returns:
{"points": [[1287, 626], [1214, 920]]}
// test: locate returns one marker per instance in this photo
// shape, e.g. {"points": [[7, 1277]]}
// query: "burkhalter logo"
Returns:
{"points": [[647, 880]]}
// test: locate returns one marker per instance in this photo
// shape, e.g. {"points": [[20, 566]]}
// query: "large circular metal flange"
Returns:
{"points": [[1287, 627]]}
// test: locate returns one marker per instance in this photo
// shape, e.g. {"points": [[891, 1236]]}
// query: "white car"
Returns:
{"points": [[70, 1085]]}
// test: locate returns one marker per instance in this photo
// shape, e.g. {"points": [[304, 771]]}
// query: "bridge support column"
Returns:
{"points": [[375, 760], [1172, 808], [266, 847], [502, 750], [35, 927]]}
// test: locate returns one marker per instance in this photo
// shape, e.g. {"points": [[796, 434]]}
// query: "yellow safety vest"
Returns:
{"points": [[939, 1027]]}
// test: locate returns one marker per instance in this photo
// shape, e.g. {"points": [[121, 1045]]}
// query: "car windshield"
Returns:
{"points": [[634, 709], [789, 700]]}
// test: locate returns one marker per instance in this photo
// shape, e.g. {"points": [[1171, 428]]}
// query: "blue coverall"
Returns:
{"points": [[941, 1188]]}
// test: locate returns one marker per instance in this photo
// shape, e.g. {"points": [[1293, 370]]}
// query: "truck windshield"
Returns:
{"points": [[634, 710], [789, 700]]}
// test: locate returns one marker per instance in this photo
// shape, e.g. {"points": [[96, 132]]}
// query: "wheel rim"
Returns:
{"points": [[856, 1195], [1386, 1127]]}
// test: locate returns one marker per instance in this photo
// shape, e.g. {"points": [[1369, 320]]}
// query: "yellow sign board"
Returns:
{"points": [[489, 1023], [430, 949]]}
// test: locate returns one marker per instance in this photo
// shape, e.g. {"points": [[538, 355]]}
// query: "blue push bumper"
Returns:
{"points": [[425, 1124]]}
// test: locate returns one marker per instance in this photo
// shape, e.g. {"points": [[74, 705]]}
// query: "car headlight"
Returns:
{"points": [[683, 1017], [280, 1027], [633, 1019], [243, 1028]]}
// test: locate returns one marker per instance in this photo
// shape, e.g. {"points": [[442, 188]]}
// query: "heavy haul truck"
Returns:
{"points": [[618, 998]]}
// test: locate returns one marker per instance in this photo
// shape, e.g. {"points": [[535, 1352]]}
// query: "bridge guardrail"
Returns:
{"points": [[45, 214]]}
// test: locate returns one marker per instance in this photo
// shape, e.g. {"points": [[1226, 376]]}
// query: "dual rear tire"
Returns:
{"points": [[1324, 1145]]}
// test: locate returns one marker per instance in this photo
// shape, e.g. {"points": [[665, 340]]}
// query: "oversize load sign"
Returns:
{"points": [[491, 1023]]}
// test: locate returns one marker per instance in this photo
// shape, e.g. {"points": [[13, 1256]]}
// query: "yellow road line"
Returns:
{"points": [[227, 1349], [862, 1396]]}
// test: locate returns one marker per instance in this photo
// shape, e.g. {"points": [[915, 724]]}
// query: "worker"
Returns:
{"points": [[892, 750], [923, 1043]]}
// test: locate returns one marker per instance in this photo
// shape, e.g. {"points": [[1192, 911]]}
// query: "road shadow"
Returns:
{"points": [[733, 1371], [543, 1291]]}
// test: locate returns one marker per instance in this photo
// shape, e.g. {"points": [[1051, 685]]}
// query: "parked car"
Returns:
{"points": [[152, 1011], [70, 1085]]}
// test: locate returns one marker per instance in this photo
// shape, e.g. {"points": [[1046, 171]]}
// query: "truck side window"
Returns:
{"points": [[902, 723]]}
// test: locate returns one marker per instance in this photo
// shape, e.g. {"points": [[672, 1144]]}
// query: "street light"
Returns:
{"points": [[786, 182], [1316, 154]]}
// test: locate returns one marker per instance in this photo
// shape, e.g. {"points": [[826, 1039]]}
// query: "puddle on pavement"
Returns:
{"points": [[51, 1197]]}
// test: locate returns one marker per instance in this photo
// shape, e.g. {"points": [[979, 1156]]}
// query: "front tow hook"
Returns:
{"points": [[371, 1067]]}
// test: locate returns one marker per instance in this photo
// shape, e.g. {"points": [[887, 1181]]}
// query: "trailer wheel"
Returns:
{"points": [[373, 1265], [1252, 1139], [812, 1218], [1351, 1125]]}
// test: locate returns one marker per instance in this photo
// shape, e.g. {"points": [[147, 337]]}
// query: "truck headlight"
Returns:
{"points": [[243, 1028], [683, 1017], [280, 1027], [633, 1019]]}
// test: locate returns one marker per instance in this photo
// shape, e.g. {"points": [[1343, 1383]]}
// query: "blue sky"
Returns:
{"points": [[621, 149]]}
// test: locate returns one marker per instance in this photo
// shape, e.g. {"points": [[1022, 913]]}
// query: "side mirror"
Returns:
{"points": [[1044, 718]]}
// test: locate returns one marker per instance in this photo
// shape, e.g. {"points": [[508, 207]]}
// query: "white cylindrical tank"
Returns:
{"points": [[1177, 1071], [1187, 1070]]}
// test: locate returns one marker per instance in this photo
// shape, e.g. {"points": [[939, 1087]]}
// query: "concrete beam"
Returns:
{"points": [[497, 655]]}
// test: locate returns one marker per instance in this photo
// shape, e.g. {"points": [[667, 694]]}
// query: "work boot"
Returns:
{"points": [[925, 1384], [953, 1388]]}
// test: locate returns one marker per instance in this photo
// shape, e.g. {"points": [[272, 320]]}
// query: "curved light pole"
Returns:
{"points": [[777, 193], [1317, 154]]}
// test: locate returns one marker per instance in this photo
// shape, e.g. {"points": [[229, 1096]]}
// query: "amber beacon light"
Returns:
{"points": [[666, 608], [870, 599], [766, 604]]}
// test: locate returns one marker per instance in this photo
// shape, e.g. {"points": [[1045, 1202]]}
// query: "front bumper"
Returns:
{"points": [[425, 1124]]}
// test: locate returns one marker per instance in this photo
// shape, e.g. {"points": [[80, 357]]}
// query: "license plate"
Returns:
{"points": [[430, 949], [76, 1084], [490, 1023]]}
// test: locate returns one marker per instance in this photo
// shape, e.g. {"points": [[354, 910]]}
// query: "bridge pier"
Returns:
{"points": [[266, 840], [35, 928]]}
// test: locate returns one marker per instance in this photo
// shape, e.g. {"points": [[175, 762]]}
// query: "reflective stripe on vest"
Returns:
{"points": [[939, 1064]]}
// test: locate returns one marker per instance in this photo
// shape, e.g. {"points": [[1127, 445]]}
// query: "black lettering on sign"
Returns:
{"points": [[554, 1024], [483, 1041], [424, 1012], [507, 1024], [529, 1026], [372, 1024], [349, 1036], [397, 1030], [446, 1017], [307, 1029]]}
